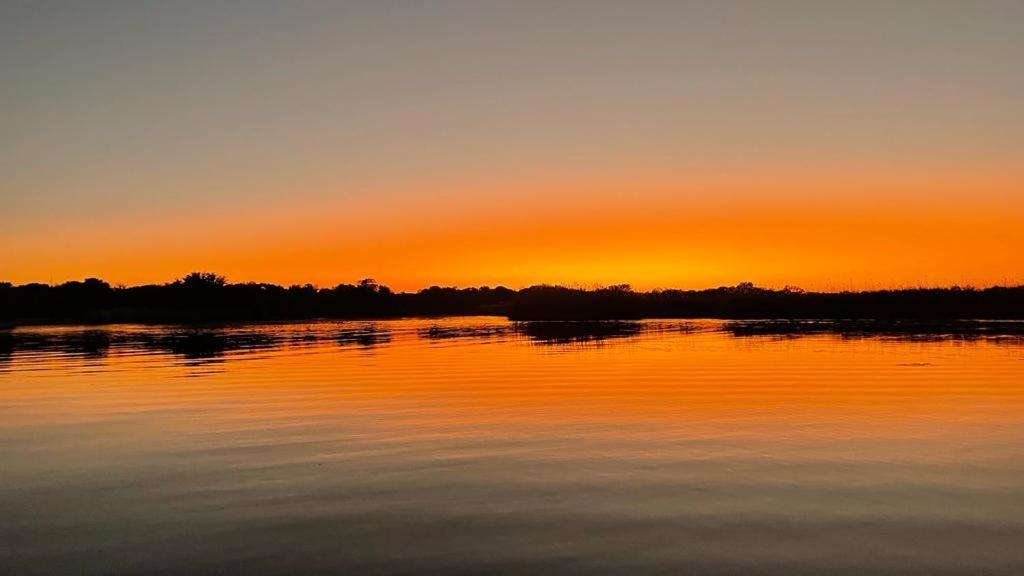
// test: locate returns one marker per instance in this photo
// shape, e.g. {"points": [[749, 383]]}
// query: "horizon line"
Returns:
{"points": [[624, 286]]}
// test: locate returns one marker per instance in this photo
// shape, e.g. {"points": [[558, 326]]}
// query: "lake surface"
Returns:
{"points": [[477, 446]]}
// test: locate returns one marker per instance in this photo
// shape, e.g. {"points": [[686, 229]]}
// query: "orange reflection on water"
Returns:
{"points": [[660, 377], [475, 440]]}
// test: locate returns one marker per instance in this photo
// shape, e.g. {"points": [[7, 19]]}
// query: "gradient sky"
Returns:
{"points": [[830, 145]]}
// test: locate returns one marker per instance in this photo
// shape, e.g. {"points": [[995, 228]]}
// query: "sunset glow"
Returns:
{"points": [[840, 146], [862, 234]]}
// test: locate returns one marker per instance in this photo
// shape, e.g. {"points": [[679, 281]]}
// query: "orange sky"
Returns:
{"points": [[830, 145], [932, 229]]}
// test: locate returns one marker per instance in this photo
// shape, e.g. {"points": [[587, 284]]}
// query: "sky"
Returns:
{"points": [[828, 145]]}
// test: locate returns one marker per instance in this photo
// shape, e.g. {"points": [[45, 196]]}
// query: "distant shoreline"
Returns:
{"points": [[208, 298]]}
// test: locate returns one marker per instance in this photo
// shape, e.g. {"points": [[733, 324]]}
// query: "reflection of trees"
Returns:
{"points": [[557, 332], [897, 329], [369, 337], [198, 344]]}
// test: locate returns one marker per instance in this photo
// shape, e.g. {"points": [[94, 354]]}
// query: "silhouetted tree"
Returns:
{"points": [[202, 280]]}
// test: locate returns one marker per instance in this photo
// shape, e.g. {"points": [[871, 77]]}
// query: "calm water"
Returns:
{"points": [[478, 446]]}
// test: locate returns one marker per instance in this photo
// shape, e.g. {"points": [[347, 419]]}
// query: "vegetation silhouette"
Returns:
{"points": [[88, 344], [367, 337], [541, 331], [746, 301], [912, 329], [579, 331], [203, 297], [196, 343], [200, 344], [453, 332]]}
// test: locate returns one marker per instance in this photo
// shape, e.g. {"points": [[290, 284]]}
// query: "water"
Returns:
{"points": [[475, 446]]}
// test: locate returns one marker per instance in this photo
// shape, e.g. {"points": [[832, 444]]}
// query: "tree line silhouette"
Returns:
{"points": [[207, 297]]}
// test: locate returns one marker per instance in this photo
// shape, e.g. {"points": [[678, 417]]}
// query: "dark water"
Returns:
{"points": [[475, 446]]}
